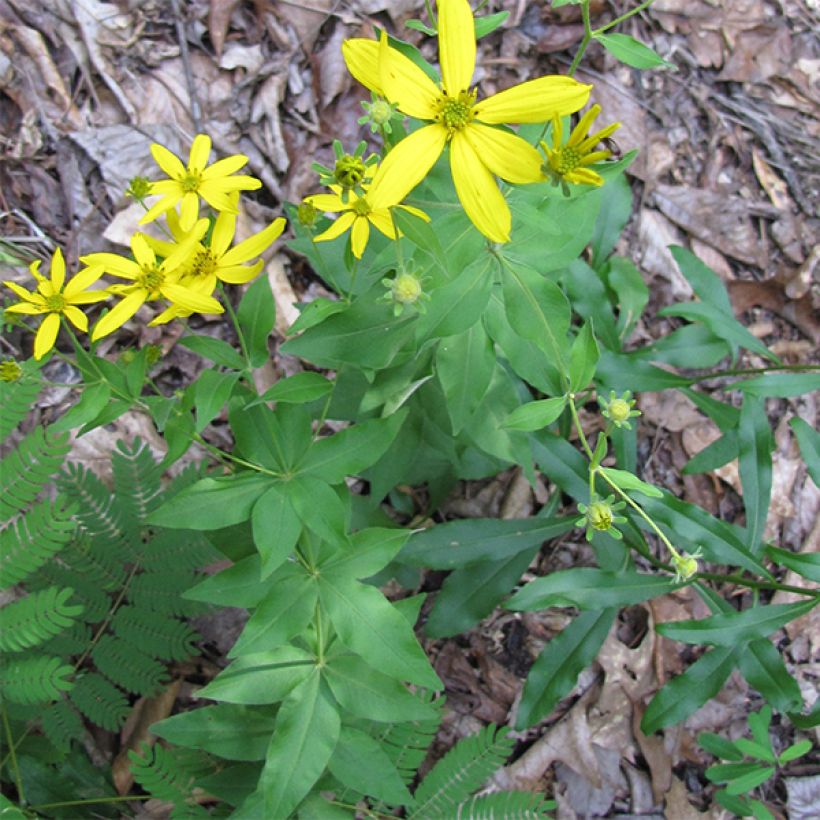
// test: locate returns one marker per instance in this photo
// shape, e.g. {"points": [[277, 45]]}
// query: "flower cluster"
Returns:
{"points": [[182, 272]]}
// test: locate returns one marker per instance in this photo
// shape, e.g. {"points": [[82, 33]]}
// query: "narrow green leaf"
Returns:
{"points": [[705, 282], [806, 564], [731, 629], [794, 751], [809, 441], [488, 24], [583, 357], [92, 401], [808, 721], [763, 667], [589, 589], [261, 678], [721, 451], [755, 750], [755, 460], [719, 746], [632, 52], [471, 541], [370, 626], [686, 693], [297, 389], [306, 733], [370, 551], [360, 763], [240, 586], [780, 385], [276, 527], [724, 772], [216, 350], [631, 290], [212, 503], [629, 481], [257, 316], [319, 507], [749, 781], [556, 671], [535, 414]]}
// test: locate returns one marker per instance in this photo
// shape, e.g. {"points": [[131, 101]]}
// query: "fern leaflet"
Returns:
{"points": [[461, 771], [406, 743], [504, 806], [28, 468], [17, 398], [128, 666], [159, 636], [136, 480], [62, 724], [161, 592], [100, 701], [36, 618], [34, 679]]}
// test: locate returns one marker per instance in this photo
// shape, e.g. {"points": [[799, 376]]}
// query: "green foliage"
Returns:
{"points": [[32, 620]]}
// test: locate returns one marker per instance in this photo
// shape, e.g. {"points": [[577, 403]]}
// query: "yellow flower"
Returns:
{"points": [[151, 280], [217, 260], [54, 300], [568, 163], [213, 183], [358, 214], [478, 151]]}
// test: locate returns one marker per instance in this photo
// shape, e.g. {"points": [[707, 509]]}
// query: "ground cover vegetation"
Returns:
{"points": [[477, 318]]}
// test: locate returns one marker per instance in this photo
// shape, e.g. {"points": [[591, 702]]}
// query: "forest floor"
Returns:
{"points": [[729, 166]]}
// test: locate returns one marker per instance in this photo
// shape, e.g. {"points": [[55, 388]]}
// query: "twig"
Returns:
{"points": [[196, 111]]}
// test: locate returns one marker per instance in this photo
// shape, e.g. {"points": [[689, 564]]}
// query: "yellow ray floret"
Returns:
{"points": [[478, 152], [53, 299], [187, 183]]}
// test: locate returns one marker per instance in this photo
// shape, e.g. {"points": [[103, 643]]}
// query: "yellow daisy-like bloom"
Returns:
{"points": [[478, 151], [358, 213], [186, 184], [151, 279], [54, 299], [216, 261], [568, 163]]}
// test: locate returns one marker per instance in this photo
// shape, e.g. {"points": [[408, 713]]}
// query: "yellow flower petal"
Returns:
{"points": [[82, 281], [57, 270], [76, 317], [254, 245], [168, 162], [582, 129], [381, 220], [159, 208], [362, 59], [22, 292], [145, 257], [200, 151], [190, 300], [188, 211], [478, 192], [224, 231], [119, 314], [46, 335], [327, 202], [406, 166], [337, 228], [534, 101], [594, 139], [239, 274], [89, 297], [506, 155], [114, 264], [584, 176], [456, 45], [27, 309], [225, 167], [415, 211], [405, 84], [359, 236], [219, 200]]}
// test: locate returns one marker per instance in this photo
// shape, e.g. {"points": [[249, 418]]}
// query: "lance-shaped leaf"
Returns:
{"points": [[755, 465]]}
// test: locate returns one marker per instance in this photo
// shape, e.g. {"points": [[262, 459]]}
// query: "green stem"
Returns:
{"points": [[580, 430], [585, 41], [91, 801], [13, 754], [239, 334], [623, 17], [756, 371], [739, 579], [223, 456]]}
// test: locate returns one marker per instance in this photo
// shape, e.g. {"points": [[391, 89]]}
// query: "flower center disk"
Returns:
{"points": [[456, 112]]}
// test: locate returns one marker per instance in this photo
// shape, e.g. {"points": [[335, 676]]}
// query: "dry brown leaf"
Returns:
{"points": [[286, 311], [678, 806], [329, 66], [219, 18], [655, 234], [670, 410], [758, 54], [775, 188]]}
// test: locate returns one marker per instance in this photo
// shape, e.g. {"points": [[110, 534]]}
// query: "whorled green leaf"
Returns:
{"points": [[583, 357], [276, 527], [535, 414], [763, 667], [240, 585], [297, 389], [257, 316], [211, 390]]}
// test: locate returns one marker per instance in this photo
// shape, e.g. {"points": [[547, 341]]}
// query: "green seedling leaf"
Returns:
{"points": [[729, 629], [628, 481], [632, 52], [589, 589], [795, 751], [583, 357], [360, 763], [809, 441], [211, 390], [755, 460], [471, 541], [755, 750], [725, 772], [719, 746], [216, 350], [762, 666], [747, 782], [535, 414], [739, 806], [808, 721], [257, 316], [487, 25], [759, 723], [212, 503], [564, 658], [261, 678], [686, 693], [298, 389]]}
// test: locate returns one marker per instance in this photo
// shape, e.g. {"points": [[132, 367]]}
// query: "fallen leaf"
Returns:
{"points": [[219, 17]]}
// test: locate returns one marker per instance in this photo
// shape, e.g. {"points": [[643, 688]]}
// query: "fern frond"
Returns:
{"points": [[88, 589], [461, 771], [162, 591], [33, 620], [62, 724], [29, 541], [27, 469], [93, 560], [406, 743], [17, 398], [34, 679], [128, 666], [189, 475], [72, 641], [156, 635], [97, 510], [169, 775], [171, 550], [100, 701], [504, 806], [137, 476]]}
